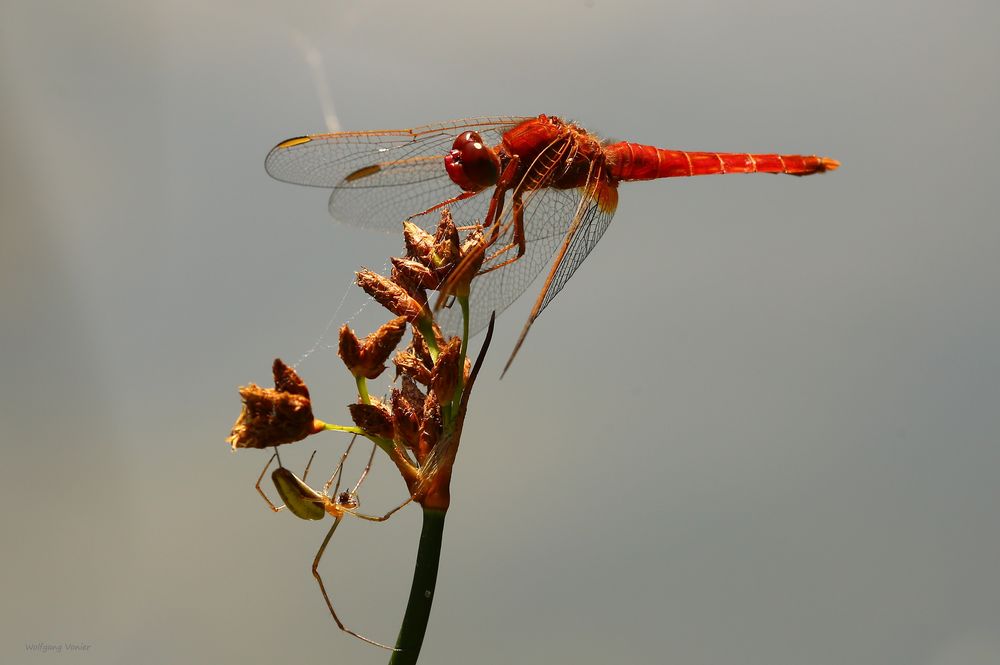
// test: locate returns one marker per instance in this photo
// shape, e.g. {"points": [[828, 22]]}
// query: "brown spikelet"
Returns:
{"points": [[407, 272], [272, 417], [430, 427], [373, 418], [380, 344], [405, 419], [446, 242], [408, 364], [445, 375], [458, 280], [349, 350], [367, 357], [419, 243], [413, 394], [286, 380], [390, 295]]}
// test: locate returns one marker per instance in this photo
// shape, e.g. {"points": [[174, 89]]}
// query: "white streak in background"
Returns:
{"points": [[314, 60]]}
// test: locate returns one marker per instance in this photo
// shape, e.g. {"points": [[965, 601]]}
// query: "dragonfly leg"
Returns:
{"points": [[496, 201], [445, 203], [326, 596], [518, 241], [462, 270]]}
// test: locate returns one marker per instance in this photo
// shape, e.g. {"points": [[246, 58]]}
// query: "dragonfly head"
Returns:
{"points": [[471, 164]]}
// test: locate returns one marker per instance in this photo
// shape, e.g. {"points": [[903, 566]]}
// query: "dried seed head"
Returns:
{"points": [[367, 357], [473, 239], [390, 295], [430, 427], [349, 350], [405, 419], [446, 242], [419, 243], [376, 347], [472, 256], [445, 375], [412, 274], [408, 364], [274, 417], [374, 419], [474, 250], [413, 394], [407, 281], [286, 380]]}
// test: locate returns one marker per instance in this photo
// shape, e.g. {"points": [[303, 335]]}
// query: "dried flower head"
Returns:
{"points": [[406, 418], [407, 364], [445, 375], [390, 295], [413, 276], [430, 428], [412, 393], [419, 243], [472, 254], [367, 357], [447, 246], [418, 347], [374, 419], [272, 417]]}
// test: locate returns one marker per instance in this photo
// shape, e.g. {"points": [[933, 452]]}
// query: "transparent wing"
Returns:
{"points": [[594, 222], [549, 215], [380, 178]]}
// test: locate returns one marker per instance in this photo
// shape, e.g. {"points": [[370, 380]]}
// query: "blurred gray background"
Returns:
{"points": [[760, 425]]}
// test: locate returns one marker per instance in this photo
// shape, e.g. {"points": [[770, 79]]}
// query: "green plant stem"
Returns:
{"points": [[363, 389], [426, 328], [350, 429], [385, 444], [418, 608]]}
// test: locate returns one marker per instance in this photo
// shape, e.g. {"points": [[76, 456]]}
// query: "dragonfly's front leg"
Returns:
{"points": [[518, 240], [463, 272], [504, 183], [443, 204]]}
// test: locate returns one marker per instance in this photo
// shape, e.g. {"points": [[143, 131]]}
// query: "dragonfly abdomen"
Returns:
{"points": [[632, 161]]}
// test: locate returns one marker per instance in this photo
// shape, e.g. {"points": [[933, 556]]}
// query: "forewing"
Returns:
{"points": [[380, 178]]}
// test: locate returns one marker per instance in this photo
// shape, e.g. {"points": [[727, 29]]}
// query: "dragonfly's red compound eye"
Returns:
{"points": [[471, 164]]}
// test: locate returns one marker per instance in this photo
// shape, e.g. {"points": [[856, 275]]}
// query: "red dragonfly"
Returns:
{"points": [[544, 190]]}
